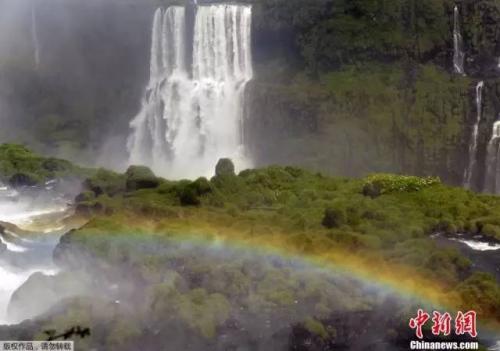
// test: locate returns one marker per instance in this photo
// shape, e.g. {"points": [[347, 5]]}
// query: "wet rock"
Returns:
{"points": [[19, 180]]}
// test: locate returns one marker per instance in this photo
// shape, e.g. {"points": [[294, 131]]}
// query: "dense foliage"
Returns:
{"points": [[310, 213], [19, 166], [368, 86], [168, 244]]}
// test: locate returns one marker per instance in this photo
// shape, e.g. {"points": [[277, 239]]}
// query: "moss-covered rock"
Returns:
{"points": [[224, 167], [140, 177]]}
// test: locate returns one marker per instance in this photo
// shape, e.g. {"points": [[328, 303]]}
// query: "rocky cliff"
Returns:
{"points": [[352, 87], [347, 87]]}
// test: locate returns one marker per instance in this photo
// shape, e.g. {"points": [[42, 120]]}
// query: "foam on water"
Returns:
{"points": [[20, 214], [12, 247], [478, 245], [25, 209]]}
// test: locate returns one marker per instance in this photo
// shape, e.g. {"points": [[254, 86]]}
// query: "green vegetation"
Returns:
{"points": [[143, 224], [387, 216], [140, 177], [20, 166], [379, 184], [365, 118], [368, 86]]}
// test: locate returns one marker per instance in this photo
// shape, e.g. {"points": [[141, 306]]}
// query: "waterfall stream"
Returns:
{"points": [[474, 136], [192, 116], [492, 183], [34, 34], [458, 53]]}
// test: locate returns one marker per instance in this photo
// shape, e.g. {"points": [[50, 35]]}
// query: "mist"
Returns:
{"points": [[210, 296], [71, 74]]}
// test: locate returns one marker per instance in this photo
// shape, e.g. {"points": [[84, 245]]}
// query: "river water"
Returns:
{"points": [[32, 221], [484, 255]]}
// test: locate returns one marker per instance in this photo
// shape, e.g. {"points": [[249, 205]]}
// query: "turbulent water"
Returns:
{"points": [[474, 136], [192, 115], [20, 256], [492, 183], [458, 53]]}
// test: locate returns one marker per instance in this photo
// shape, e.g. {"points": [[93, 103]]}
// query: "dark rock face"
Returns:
{"points": [[352, 103], [224, 167], [3, 247], [19, 180]]}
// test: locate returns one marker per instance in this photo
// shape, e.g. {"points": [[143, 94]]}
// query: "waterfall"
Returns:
{"points": [[34, 35], [492, 183], [475, 133], [458, 53], [192, 116]]}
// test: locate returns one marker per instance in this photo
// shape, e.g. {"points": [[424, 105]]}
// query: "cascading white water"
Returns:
{"points": [[34, 35], [191, 117], [21, 257], [475, 133], [492, 183], [458, 53]]}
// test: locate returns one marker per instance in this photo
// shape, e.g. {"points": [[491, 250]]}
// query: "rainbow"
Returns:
{"points": [[395, 280], [370, 270], [402, 284]]}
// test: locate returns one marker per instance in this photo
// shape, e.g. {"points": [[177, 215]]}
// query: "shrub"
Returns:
{"points": [[106, 182], [333, 218], [491, 231], [26, 168], [56, 165], [85, 196], [372, 190], [481, 293], [202, 186], [379, 184], [445, 225], [188, 196], [189, 192], [315, 327], [89, 208]]}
